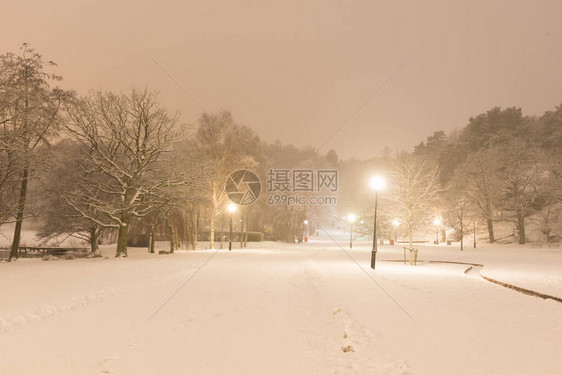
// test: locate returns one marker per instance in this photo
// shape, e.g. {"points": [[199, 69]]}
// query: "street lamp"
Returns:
{"points": [[377, 184], [437, 223], [396, 224], [351, 218], [232, 209]]}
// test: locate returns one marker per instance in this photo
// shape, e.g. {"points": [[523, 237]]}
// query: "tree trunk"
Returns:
{"points": [[411, 241], [521, 228], [19, 213], [94, 248], [191, 236], [489, 221], [172, 238], [122, 240], [196, 225], [241, 229], [490, 224], [151, 242], [462, 234], [212, 234]]}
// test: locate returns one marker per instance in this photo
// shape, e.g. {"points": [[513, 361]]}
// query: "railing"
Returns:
{"points": [[414, 252]]}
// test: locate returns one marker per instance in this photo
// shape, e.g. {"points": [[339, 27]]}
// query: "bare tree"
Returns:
{"points": [[415, 188], [459, 210], [523, 182], [550, 214], [30, 110], [63, 179], [226, 146], [478, 175], [9, 170], [123, 138]]}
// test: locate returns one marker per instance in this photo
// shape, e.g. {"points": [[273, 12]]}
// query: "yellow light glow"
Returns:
{"points": [[377, 183]]}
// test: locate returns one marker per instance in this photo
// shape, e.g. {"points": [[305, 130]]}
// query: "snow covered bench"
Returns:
{"points": [[536, 244], [413, 251], [554, 245], [48, 250]]}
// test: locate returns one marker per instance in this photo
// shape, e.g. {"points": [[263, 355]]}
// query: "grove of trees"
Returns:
{"points": [[120, 166]]}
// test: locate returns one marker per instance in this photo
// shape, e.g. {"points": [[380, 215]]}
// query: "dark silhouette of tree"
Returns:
{"points": [[31, 113]]}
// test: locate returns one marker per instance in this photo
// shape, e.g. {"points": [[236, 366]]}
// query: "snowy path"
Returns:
{"points": [[280, 309]]}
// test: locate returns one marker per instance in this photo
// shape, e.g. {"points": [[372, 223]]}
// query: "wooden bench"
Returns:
{"points": [[58, 251], [414, 250]]}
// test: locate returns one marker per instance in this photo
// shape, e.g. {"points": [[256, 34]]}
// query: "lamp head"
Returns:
{"points": [[231, 208], [351, 218], [377, 183]]}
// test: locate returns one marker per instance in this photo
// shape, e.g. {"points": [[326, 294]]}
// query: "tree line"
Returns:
{"points": [[502, 167], [123, 165]]}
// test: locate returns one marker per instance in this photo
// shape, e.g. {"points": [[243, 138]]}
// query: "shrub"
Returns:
{"points": [[49, 257], [255, 236]]}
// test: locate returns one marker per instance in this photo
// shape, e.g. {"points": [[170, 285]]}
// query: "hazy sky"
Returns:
{"points": [[296, 70]]}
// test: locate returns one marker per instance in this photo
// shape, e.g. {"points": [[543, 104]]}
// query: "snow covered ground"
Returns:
{"points": [[283, 309]]}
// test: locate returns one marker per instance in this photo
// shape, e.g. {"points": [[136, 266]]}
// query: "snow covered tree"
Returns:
{"points": [[225, 147], [61, 181], [478, 176], [550, 131], [494, 127], [30, 111], [459, 208], [123, 139], [9, 168], [523, 180], [414, 190]]}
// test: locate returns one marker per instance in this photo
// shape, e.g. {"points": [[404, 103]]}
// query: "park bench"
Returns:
{"points": [[536, 244], [411, 250], [554, 245], [58, 251]]}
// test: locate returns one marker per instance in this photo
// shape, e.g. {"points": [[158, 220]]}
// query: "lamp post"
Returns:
{"points": [[232, 209], [396, 224], [377, 183], [437, 223], [351, 218]]}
